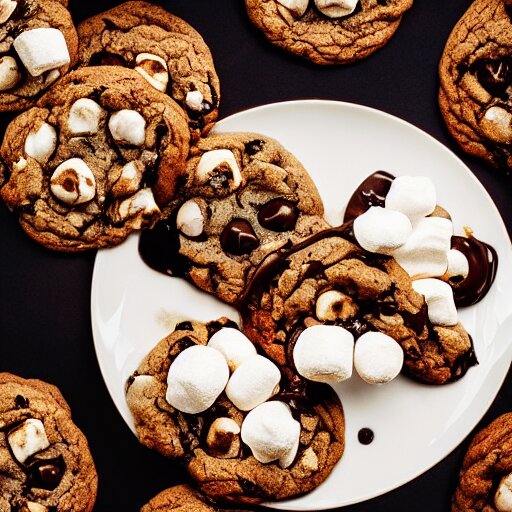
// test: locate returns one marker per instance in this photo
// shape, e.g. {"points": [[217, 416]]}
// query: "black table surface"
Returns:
{"points": [[45, 327]]}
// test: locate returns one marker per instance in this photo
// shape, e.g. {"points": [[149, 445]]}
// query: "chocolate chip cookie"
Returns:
{"points": [[45, 464], [485, 480], [245, 197], [218, 443], [97, 158], [476, 82], [38, 45], [328, 31], [163, 48], [180, 498]]}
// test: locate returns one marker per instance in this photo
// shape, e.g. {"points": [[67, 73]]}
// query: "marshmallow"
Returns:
{"points": [[233, 345], [84, 117], [378, 358], [271, 433], [27, 439], [497, 125], [139, 207], [189, 219], [426, 250], [196, 378], [130, 179], [40, 145], [336, 8], [42, 49], [439, 298], [194, 100], [297, 7], [334, 305], [220, 168], [223, 438], [154, 69], [73, 182], [381, 230], [35, 507], [7, 7], [324, 353], [414, 196], [503, 496], [253, 382], [128, 126], [9, 73], [458, 266]]}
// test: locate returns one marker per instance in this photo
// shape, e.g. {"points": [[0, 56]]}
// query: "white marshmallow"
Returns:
{"points": [[84, 117], [426, 251], [7, 7], [233, 345], [381, 230], [42, 49], [35, 507], [378, 358], [253, 382], [196, 378], [503, 496], [458, 264], [271, 433], [73, 182], [194, 100], [324, 353], [336, 8], [128, 126], [40, 145], [223, 161], [439, 298], [154, 69], [138, 207], [497, 125], [414, 196], [189, 219], [9, 73], [297, 7], [27, 439]]}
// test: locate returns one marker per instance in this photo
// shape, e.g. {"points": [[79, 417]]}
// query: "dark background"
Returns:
{"points": [[45, 327]]}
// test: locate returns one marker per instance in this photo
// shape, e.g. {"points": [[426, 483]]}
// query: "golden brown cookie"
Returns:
{"points": [[163, 48], [476, 82], [180, 498]]}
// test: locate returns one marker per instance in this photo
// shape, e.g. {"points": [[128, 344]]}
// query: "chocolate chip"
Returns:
{"points": [[239, 238], [21, 402], [107, 59], [495, 75], [278, 215], [47, 474], [184, 326], [254, 146]]}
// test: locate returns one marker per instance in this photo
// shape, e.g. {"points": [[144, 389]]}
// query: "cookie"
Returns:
{"points": [[180, 498], [245, 197], [38, 45], [97, 158], [475, 74], [486, 475], [45, 463], [163, 48], [215, 438], [328, 32]]}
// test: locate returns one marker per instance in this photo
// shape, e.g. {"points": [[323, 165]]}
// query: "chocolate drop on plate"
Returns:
{"points": [[239, 238], [278, 215], [365, 436]]}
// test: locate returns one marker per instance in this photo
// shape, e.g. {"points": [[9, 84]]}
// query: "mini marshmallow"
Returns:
{"points": [[189, 219], [42, 49], [84, 117], [272, 433], [381, 230], [73, 182], [27, 439], [324, 353], [138, 207], [194, 100], [458, 265], [40, 145], [253, 382], [503, 496], [128, 126], [233, 345], [439, 298], [9, 73], [297, 7], [414, 196], [196, 378], [378, 358], [218, 166], [336, 8]]}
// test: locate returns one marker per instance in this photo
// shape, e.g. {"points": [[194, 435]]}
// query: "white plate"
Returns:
{"points": [[415, 425]]}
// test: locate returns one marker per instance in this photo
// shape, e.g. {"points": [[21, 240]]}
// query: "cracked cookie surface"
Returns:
{"points": [[97, 158], [166, 50], [475, 72], [180, 498], [328, 40], [45, 463]]}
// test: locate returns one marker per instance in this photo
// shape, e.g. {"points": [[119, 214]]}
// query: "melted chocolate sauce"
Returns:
{"points": [[365, 436]]}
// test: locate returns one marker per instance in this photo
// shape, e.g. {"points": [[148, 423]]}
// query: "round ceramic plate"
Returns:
{"points": [[415, 425]]}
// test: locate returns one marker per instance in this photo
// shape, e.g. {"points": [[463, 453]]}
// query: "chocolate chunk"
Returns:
{"points": [[254, 146], [238, 238], [278, 215], [47, 474], [107, 59], [21, 402], [495, 75]]}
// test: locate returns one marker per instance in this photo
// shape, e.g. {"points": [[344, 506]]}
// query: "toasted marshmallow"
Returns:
{"points": [[35, 507], [40, 145], [439, 298], [27, 439], [233, 345], [378, 358], [426, 251], [128, 126], [271, 433], [84, 117], [196, 378], [73, 182], [324, 353], [414, 196], [9, 73], [223, 439], [42, 49], [129, 180], [503, 496], [336, 8], [458, 265], [139, 208], [497, 125], [381, 230], [189, 219], [220, 168], [297, 7], [194, 100], [253, 382], [334, 305], [154, 69]]}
